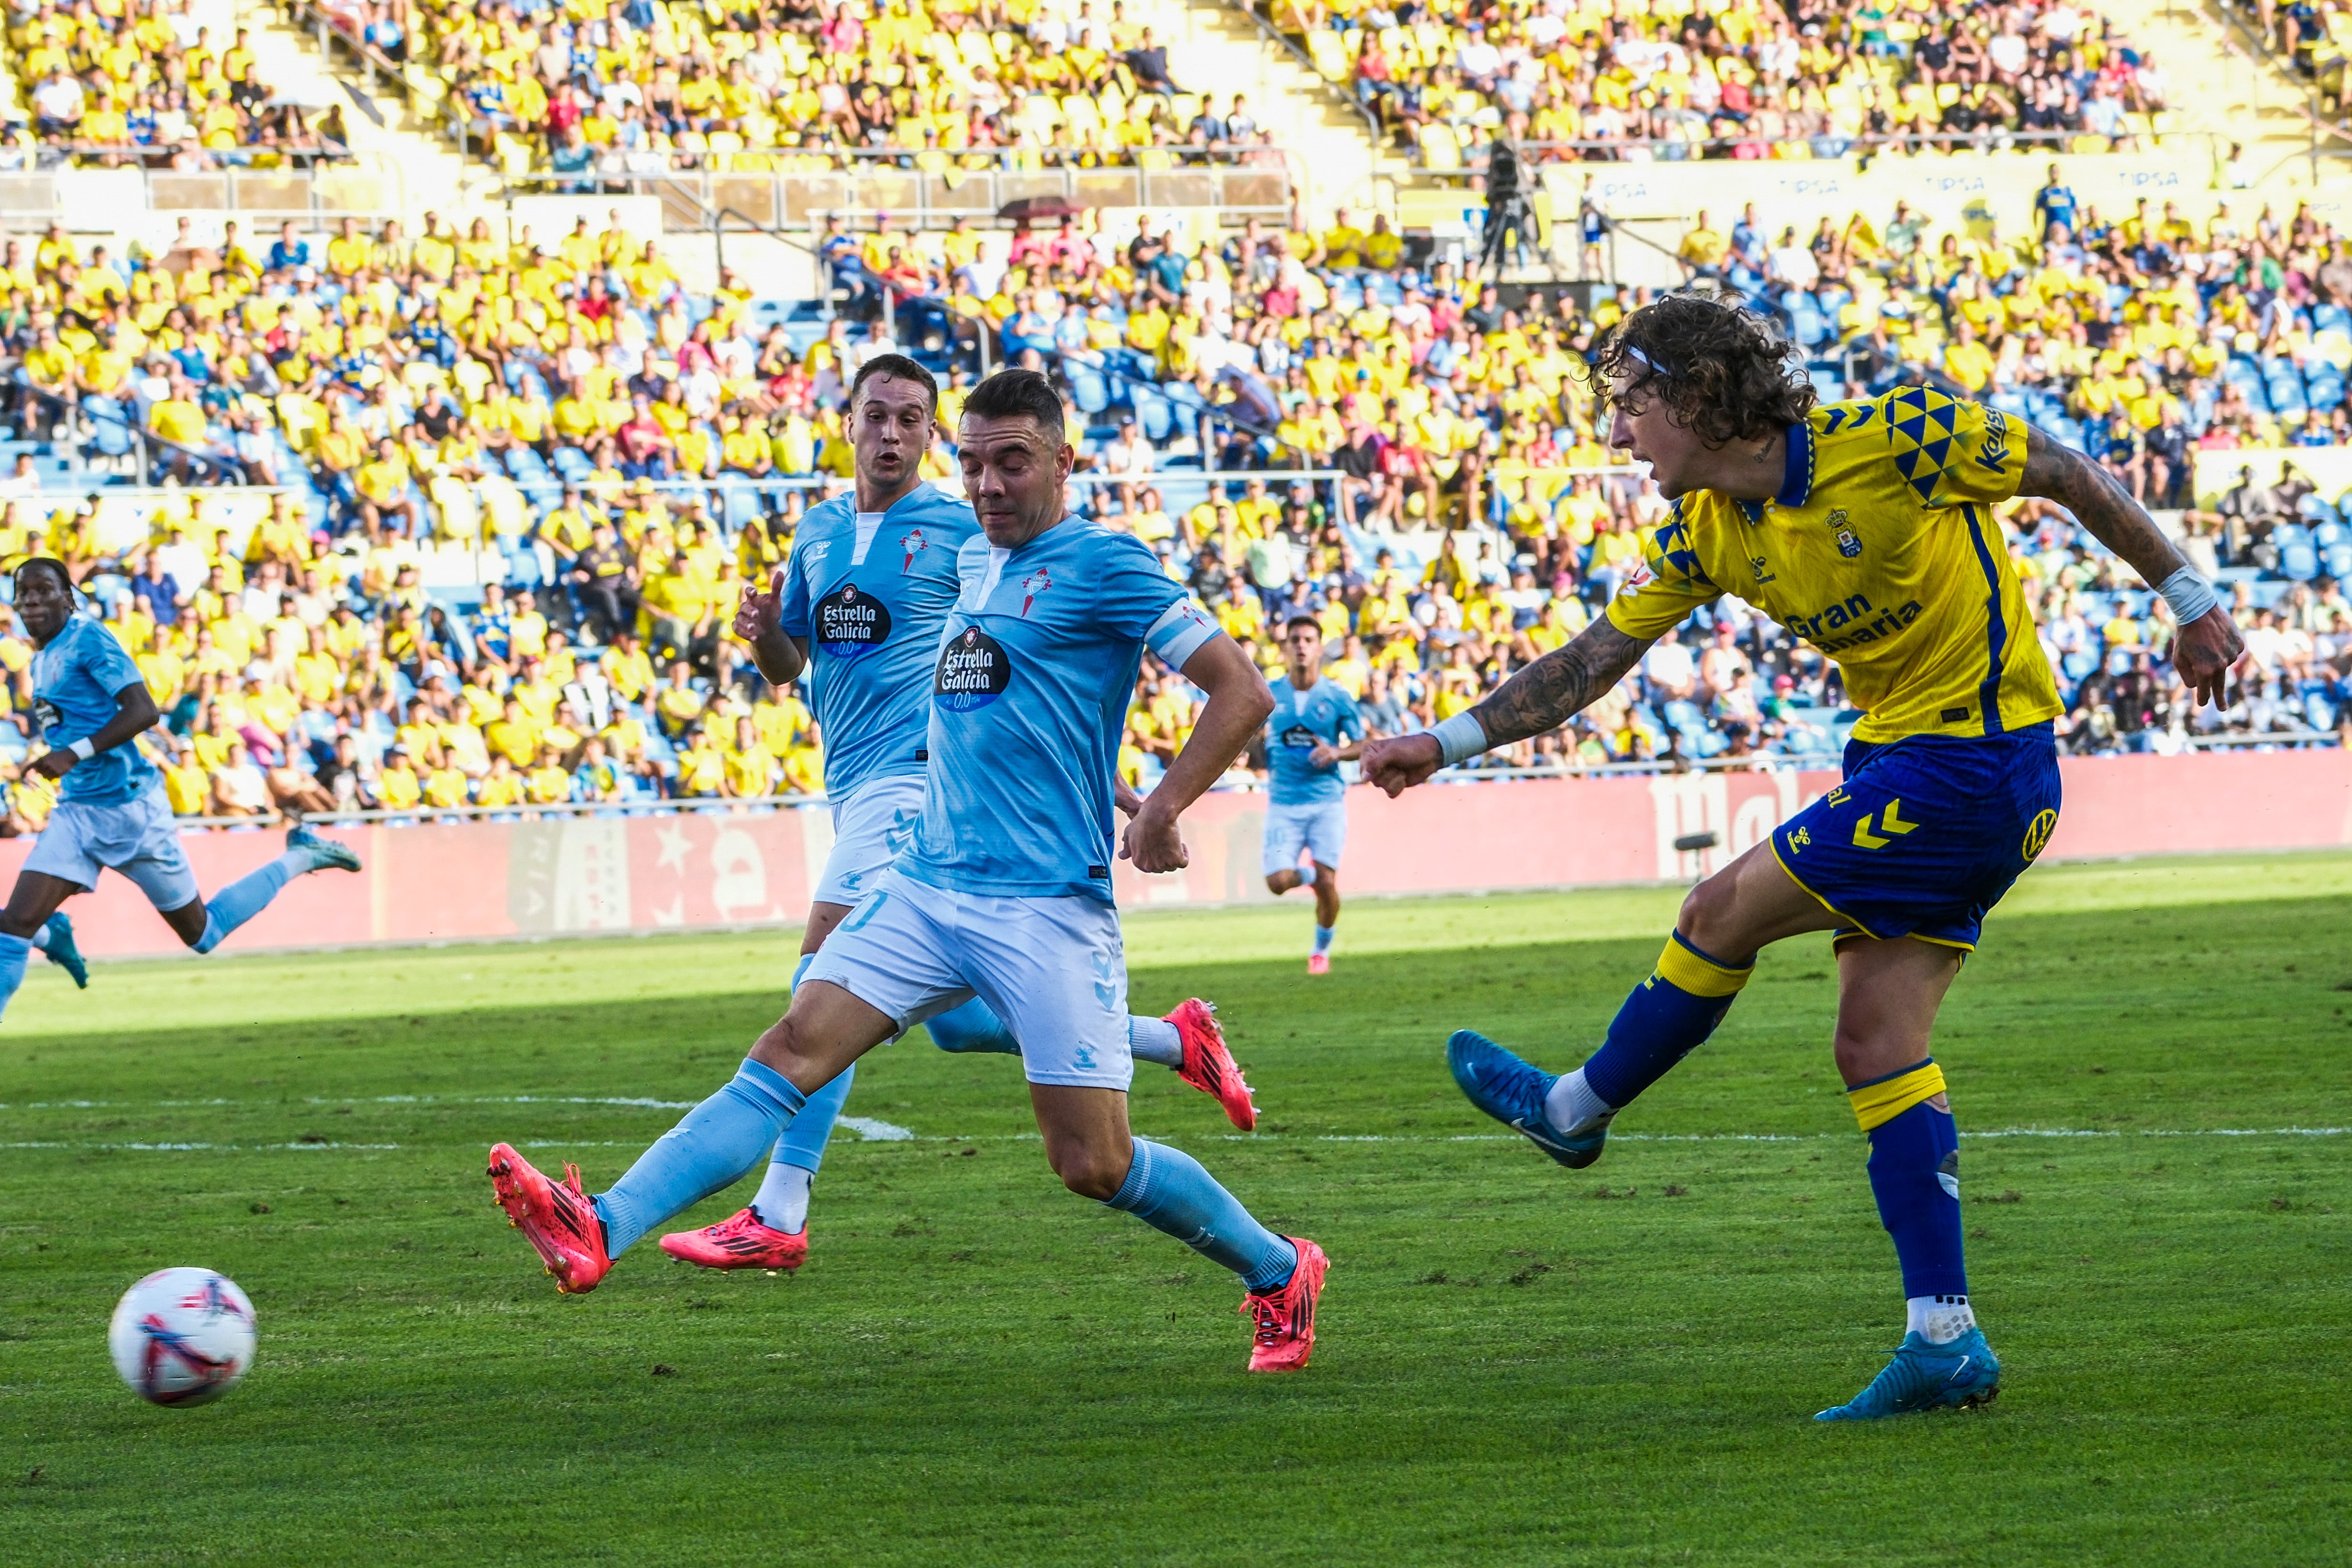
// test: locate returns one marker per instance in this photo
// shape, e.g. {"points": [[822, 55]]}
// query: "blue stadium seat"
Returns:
{"points": [[1088, 389], [1153, 412], [2316, 508], [2298, 563], [2331, 318], [2337, 559]]}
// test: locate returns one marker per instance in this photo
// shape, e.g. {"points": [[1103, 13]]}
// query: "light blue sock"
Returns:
{"points": [[1155, 1040], [247, 897], [1170, 1191], [717, 1143], [15, 953], [973, 1026], [804, 1141], [1323, 939]]}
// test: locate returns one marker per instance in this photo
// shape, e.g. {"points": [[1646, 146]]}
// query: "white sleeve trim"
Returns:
{"points": [[1180, 632]]}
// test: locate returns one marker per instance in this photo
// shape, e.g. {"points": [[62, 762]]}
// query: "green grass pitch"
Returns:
{"points": [[2151, 1063]]}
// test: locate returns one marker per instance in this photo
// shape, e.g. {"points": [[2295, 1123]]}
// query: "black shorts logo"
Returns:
{"points": [[850, 624], [973, 671]]}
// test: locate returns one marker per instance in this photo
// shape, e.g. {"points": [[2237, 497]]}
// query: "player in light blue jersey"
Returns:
{"points": [[1315, 727], [93, 705], [1005, 893], [858, 608]]}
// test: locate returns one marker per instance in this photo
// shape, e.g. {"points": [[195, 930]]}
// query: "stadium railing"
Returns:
{"points": [[113, 432], [1714, 148], [887, 181]]}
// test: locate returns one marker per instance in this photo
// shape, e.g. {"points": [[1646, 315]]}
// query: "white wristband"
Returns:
{"points": [[1460, 737], [83, 749], [2191, 597]]}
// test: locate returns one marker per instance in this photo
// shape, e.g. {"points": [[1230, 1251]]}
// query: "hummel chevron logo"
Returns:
{"points": [[1890, 819]]}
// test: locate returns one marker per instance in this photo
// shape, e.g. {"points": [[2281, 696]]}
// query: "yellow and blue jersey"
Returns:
{"points": [[1880, 550]]}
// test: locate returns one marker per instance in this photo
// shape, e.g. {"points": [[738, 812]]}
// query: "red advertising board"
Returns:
{"points": [[579, 876]]}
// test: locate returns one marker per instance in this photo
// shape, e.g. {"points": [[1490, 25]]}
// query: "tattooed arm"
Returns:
{"points": [[2204, 650], [1540, 698]]}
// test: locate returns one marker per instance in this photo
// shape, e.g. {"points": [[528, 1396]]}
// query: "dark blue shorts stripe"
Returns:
{"points": [[1996, 628]]}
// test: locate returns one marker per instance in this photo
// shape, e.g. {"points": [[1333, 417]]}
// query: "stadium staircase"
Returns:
{"points": [[424, 171], [2224, 88], [1221, 48]]}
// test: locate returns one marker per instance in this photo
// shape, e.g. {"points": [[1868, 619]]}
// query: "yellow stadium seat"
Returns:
{"points": [[2087, 144], [1330, 53], [472, 377], [503, 504], [1947, 93], [461, 513], [419, 374], [1440, 150]]}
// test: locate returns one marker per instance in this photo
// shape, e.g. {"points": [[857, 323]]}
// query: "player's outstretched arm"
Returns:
{"points": [[1540, 698], [1237, 707], [2207, 643], [758, 621]]}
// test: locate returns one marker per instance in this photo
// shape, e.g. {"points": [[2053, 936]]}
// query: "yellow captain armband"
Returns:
{"points": [[1875, 1104]]}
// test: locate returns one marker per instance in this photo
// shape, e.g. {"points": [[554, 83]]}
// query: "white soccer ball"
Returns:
{"points": [[182, 1336]]}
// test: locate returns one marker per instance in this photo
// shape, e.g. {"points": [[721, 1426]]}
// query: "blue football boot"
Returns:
{"points": [[1950, 1376], [63, 952], [324, 852], [1512, 1092]]}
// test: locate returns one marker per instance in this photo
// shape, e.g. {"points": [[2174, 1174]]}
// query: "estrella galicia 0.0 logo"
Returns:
{"points": [[850, 624], [973, 671]]}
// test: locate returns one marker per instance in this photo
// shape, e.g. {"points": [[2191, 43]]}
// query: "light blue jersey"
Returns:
{"points": [[1034, 678], [74, 682], [867, 592], [1323, 716]]}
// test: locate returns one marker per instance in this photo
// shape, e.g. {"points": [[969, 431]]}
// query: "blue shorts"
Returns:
{"points": [[1926, 833]]}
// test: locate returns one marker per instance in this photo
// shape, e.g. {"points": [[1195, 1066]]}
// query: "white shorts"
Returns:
{"points": [[1054, 969], [137, 838], [869, 829], [1319, 828]]}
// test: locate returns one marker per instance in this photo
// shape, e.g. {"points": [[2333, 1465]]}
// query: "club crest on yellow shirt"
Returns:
{"points": [[1848, 545]]}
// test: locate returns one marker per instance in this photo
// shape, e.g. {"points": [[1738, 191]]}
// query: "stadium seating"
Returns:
{"points": [[407, 456], [1742, 80], [148, 85]]}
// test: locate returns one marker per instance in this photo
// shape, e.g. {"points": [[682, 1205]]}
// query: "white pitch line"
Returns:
{"points": [[871, 1131]]}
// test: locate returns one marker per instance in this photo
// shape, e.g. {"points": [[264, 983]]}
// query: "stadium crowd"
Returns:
{"points": [[144, 83], [593, 93], [1742, 80], [636, 454]]}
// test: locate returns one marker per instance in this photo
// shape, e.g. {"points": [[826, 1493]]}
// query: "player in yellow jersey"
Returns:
{"points": [[1863, 527]]}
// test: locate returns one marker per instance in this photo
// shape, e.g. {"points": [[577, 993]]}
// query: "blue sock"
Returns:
{"points": [[1914, 1174], [1667, 1017], [804, 1141], [247, 897], [1169, 1190], [1322, 939], [972, 1027], [15, 953], [717, 1143]]}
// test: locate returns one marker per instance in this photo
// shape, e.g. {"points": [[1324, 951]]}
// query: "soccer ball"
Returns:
{"points": [[182, 1336]]}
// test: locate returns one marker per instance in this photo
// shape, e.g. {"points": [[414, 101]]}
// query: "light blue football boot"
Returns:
{"points": [[324, 853], [1955, 1375], [1512, 1091], [63, 952]]}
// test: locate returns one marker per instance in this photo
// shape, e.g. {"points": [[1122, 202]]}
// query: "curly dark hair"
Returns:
{"points": [[1722, 371]]}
